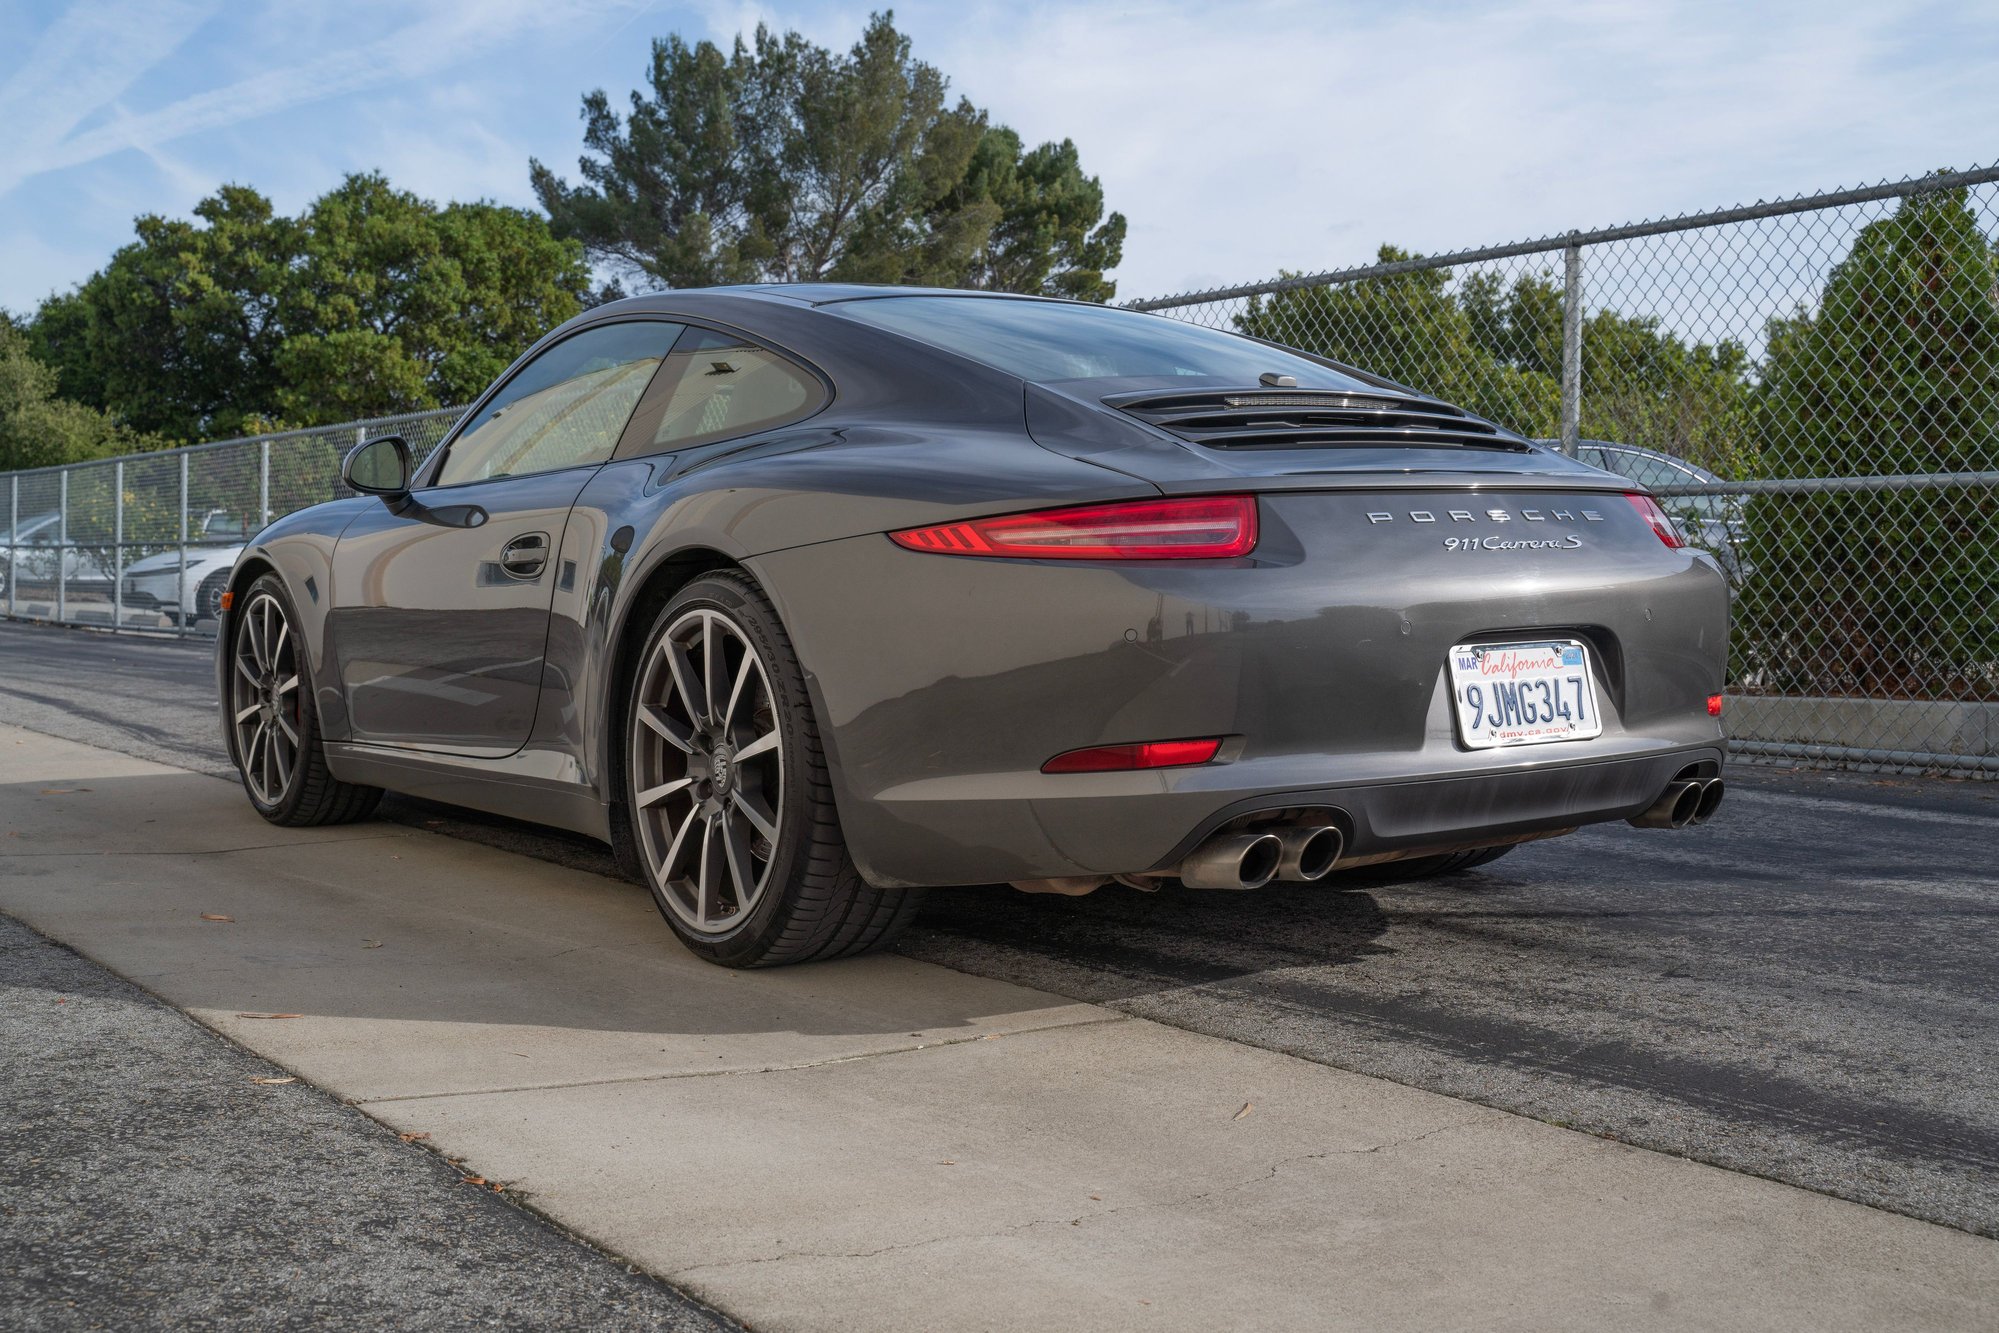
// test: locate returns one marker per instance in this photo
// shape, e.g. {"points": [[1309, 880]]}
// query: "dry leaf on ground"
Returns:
{"points": [[270, 1015], [412, 1138], [371, 944], [1247, 1107], [217, 916], [274, 1082]]}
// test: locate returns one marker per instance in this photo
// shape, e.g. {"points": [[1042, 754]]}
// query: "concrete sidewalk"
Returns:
{"points": [[883, 1144]]}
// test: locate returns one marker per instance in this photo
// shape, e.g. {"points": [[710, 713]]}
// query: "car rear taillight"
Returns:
{"points": [[1648, 509], [1714, 705], [1208, 527], [1144, 754]]}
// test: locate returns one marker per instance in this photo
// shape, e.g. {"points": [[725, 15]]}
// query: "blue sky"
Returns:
{"points": [[1240, 138]]}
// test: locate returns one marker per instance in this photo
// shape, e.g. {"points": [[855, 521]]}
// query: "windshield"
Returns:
{"points": [[1047, 340]]}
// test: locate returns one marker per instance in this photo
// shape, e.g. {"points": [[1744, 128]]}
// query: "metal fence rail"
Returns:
{"points": [[1811, 383], [143, 542]]}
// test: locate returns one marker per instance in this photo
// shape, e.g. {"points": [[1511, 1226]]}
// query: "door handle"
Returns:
{"points": [[525, 556]]}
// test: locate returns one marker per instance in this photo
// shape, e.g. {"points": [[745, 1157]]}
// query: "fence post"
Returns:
{"points": [[1572, 345], [181, 617], [264, 485], [62, 546], [118, 546], [13, 538]]}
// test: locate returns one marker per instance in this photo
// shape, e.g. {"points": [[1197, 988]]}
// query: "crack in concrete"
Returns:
{"points": [[211, 851], [756, 1069], [1269, 1173]]}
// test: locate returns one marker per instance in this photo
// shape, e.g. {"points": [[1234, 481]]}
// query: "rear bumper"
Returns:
{"points": [[943, 684], [1037, 826]]}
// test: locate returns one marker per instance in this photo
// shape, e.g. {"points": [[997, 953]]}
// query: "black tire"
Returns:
{"points": [[804, 900], [303, 792]]}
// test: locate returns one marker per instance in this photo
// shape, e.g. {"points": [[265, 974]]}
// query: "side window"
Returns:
{"points": [[717, 386], [565, 408]]}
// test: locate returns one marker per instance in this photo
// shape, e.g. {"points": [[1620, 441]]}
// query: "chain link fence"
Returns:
{"points": [[1811, 385], [145, 542]]}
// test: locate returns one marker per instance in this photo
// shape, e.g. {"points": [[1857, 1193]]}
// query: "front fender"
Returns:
{"points": [[299, 547]]}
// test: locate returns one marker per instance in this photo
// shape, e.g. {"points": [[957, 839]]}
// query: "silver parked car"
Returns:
{"points": [[1712, 523], [33, 553]]}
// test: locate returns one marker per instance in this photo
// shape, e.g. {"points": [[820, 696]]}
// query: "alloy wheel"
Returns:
{"points": [[264, 698], [707, 771]]}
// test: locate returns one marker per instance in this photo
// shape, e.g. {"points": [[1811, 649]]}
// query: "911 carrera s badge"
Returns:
{"points": [[1566, 542]]}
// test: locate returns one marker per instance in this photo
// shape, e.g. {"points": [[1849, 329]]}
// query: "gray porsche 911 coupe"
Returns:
{"points": [[805, 597]]}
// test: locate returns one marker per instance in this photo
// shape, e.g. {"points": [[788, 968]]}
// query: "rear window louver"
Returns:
{"points": [[1303, 419]]}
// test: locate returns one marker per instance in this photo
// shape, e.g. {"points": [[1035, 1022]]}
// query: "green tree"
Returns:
{"points": [[180, 332], [1410, 328], [370, 301], [1495, 348], [1897, 371], [37, 428], [1640, 385], [783, 161]]}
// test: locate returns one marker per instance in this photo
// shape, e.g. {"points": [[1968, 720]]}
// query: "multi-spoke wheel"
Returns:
{"points": [[273, 729], [264, 698], [708, 772], [208, 597], [730, 812]]}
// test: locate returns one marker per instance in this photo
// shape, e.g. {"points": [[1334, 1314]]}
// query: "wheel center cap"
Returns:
{"points": [[724, 770]]}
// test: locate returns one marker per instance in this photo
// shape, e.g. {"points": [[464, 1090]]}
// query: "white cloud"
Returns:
{"points": [[1239, 138], [88, 57], [1250, 137], [448, 34]]}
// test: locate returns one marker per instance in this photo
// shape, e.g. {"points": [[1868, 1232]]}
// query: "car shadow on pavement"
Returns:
{"points": [[170, 879], [1118, 943]]}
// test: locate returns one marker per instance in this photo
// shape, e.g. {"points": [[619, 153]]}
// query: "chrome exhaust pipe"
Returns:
{"points": [[1675, 808], [1711, 794], [1310, 852], [1233, 861]]}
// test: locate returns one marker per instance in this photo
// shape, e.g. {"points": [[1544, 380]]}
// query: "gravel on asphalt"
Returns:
{"points": [[154, 1174]]}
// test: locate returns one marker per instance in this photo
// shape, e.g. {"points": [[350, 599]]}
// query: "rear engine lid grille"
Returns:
{"points": [[1307, 419]]}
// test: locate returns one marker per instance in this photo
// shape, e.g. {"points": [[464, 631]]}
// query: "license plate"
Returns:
{"points": [[1523, 693]]}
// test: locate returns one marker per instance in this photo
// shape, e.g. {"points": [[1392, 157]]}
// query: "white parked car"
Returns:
{"points": [[187, 596]]}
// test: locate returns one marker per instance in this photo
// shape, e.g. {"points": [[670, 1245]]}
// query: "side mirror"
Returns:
{"points": [[380, 466]]}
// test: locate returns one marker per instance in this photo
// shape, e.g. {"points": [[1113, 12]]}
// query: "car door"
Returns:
{"points": [[440, 604]]}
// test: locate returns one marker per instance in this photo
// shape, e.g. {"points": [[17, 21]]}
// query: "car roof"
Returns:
{"points": [[824, 293], [1698, 472]]}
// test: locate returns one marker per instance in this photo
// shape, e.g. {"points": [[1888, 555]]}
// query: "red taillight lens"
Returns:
{"points": [[1714, 705], [1209, 527], [1648, 509], [1145, 754]]}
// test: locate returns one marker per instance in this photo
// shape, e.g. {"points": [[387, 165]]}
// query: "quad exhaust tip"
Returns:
{"points": [[1682, 805], [1310, 852], [1300, 853], [1234, 861], [1296, 853]]}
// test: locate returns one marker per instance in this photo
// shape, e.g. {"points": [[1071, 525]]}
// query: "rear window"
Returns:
{"points": [[1048, 340]]}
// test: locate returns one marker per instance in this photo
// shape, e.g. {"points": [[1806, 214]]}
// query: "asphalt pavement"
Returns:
{"points": [[129, 1133], [1804, 989]]}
